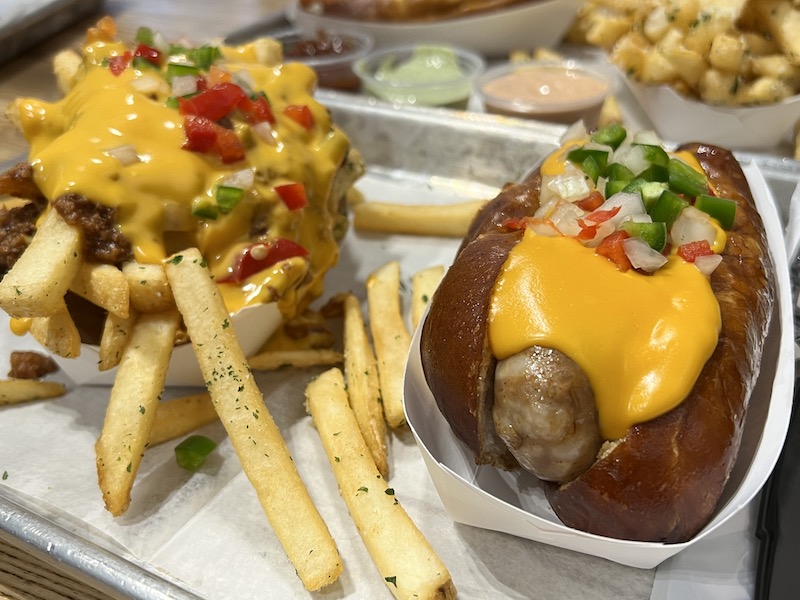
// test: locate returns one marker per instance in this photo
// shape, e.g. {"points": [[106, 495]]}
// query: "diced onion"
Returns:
{"points": [[265, 132], [243, 179], [543, 227], [576, 131], [629, 205], [642, 256], [707, 264], [632, 157], [647, 136], [125, 154], [183, 85], [569, 186], [692, 225], [148, 84]]}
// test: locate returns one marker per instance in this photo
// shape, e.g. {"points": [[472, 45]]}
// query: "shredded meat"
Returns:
{"points": [[102, 242], [31, 365]]}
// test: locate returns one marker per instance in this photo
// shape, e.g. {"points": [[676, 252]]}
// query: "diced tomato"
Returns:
{"points": [[203, 135], [592, 202], [293, 195], [588, 231], [117, 64], [611, 247], [300, 114], [601, 216], [261, 256], [217, 75], [257, 110], [148, 53], [228, 145], [689, 252], [213, 103]]}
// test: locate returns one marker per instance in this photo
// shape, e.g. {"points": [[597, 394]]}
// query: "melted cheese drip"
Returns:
{"points": [[641, 340], [72, 142]]}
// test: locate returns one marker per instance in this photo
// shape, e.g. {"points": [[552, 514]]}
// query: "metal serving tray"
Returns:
{"points": [[436, 149]]}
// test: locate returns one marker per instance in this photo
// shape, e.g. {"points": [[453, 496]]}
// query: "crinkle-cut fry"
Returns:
{"points": [[16, 391], [279, 359], [114, 338], [444, 220], [253, 433], [423, 285], [148, 285], [390, 338], [57, 333], [178, 416], [36, 284], [403, 556], [363, 384], [104, 286], [132, 406]]}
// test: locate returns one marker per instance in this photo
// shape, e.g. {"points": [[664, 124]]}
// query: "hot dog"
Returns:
{"points": [[654, 474]]}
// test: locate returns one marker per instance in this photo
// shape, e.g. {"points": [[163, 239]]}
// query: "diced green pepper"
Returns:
{"points": [[655, 233], [656, 173], [141, 63], [610, 135], [722, 209], [667, 208], [655, 155], [192, 452], [181, 69], [228, 197], [144, 35], [172, 102], [683, 179], [203, 208], [593, 161]]}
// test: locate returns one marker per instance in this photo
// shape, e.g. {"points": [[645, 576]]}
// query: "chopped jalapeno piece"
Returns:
{"points": [[228, 197], [667, 208], [144, 35], [610, 135], [593, 161], [655, 233], [179, 69], [722, 209], [683, 179], [192, 452], [655, 155], [204, 209]]}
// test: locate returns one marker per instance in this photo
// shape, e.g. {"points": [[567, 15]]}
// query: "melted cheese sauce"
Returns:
{"points": [[641, 340], [72, 143]]}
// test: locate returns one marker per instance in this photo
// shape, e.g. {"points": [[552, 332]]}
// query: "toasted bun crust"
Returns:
{"points": [[663, 480]]}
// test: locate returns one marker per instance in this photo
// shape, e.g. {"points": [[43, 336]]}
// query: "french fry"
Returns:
{"points": [[132, 406], [446, 220], [148, 287], [255, 436], [57, 333], [104, 286], [36, 284], [16, 391], [363, 383], [423, 285], [390, 338], [114, 338], [279, 359], [179, 416], [403, 556]]}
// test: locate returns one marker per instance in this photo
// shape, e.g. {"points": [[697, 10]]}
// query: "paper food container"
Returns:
{"points": [[254, 325], [676, 117], [514, 503], [534, 24]]}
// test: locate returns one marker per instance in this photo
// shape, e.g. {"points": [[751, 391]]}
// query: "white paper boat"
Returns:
{"points": [[514, 503]]}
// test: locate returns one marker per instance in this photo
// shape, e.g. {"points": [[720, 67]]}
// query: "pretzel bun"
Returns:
{"points": [[662, 479]]}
